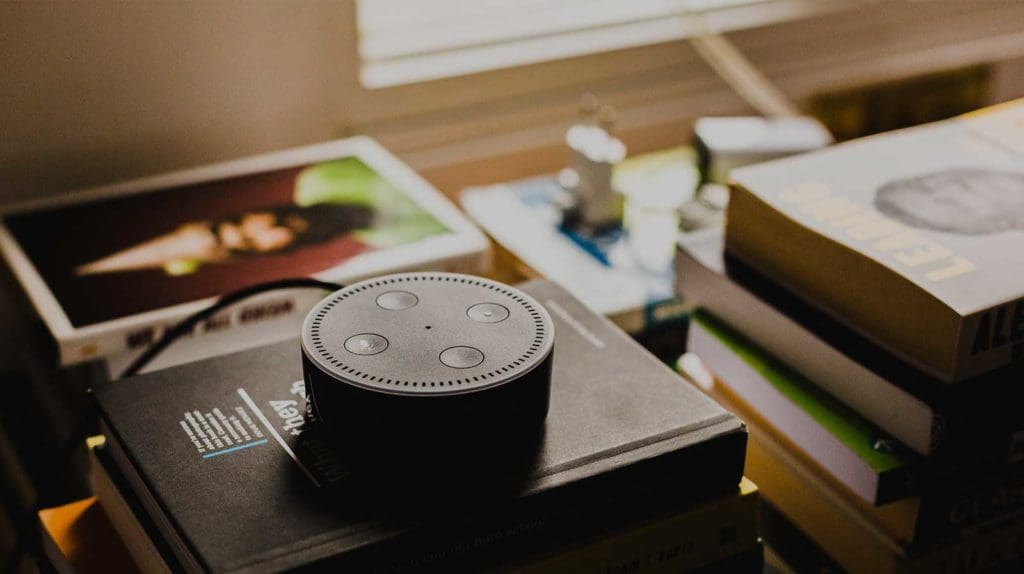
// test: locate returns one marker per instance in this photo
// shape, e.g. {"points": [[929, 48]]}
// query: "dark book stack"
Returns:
{"points": [[15, 500], [44, 413], [69, 323], [836, 328], [210, 467], [25, 546]]}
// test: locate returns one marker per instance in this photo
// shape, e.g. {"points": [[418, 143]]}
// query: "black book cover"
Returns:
{"points": [[226, 465]]}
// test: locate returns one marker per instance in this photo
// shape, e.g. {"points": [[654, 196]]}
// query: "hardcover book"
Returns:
{"points": [[860, 537], [854, 452], [859, 544], [912, 237], [946, 503], [960, 421], [200, 443], [109, 269], [716, 535], [725, 527]]}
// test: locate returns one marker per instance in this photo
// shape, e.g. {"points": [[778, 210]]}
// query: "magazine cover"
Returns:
{"points": [[109, 268]]}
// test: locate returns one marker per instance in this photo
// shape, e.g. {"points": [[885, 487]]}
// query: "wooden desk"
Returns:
{"points": [[86, 538]]}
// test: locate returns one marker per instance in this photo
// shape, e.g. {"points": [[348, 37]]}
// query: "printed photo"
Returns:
{"points": [[117, 257], [960, 201]]}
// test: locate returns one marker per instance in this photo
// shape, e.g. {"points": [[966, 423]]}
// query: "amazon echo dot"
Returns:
{"points": [[428, 364]]}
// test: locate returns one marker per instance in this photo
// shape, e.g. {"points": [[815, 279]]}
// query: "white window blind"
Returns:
{"points": [[406, 41]]}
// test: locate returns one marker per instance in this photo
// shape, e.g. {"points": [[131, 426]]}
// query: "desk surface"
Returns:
{"points": [[86, 538]]}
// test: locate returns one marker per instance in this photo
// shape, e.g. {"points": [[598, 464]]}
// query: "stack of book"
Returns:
{"points": [[92, 278], [864, 315], [208, 467], [108, 270], [25, 545]]}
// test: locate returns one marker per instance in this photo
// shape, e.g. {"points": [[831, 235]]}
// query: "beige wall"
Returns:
{"points": [[100, 91], [92, 92]]}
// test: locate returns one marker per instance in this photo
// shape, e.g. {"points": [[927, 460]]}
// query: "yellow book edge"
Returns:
{"points": [[849, 531]]}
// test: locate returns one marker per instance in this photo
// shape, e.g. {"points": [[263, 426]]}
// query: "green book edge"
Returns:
{"points": [[840, 421]]}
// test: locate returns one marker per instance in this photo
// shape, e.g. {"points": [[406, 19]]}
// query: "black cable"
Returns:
{"points": [[188, 323], [27, 542], [28, 545]]}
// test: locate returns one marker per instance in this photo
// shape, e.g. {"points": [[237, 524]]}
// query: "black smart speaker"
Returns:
{"points": [[428, 366]]}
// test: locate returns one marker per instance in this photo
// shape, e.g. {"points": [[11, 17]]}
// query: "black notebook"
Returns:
{"points": [[235, 478]]}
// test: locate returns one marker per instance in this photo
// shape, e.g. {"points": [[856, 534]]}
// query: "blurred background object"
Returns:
{"points": [[111, 91]]}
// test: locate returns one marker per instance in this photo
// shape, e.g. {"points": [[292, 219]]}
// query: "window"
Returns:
{"points": [[407, 41], [475, 92]]}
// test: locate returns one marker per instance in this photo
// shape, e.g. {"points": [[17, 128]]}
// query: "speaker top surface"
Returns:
{"points": [[427, 334]]}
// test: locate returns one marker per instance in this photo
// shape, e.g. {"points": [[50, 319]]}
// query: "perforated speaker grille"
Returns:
{"points": [[454, 334]]}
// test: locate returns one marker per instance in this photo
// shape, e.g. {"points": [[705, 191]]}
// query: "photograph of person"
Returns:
{"points": [[129, 254], [272, 230], [961, 201]]}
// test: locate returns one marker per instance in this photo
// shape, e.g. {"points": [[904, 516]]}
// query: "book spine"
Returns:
{"points": [[990, 339], [981, 433], [1003, 547], [999, 550], [255, 312], [140, 542], [936, 424], [956, 510], [784, 337], [824, 429], [969, 456], [272, 308], [897, 484], [574, 511], [752, 234], [990, 450], [678, 543], [850, 536]]}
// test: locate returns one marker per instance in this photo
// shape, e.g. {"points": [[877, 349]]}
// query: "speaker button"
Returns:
{"points": [[366, 344], [488, 313], [397, 300], [461, 357]]}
